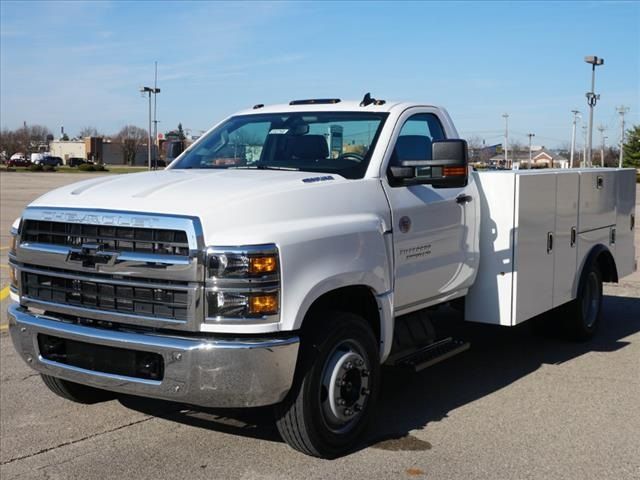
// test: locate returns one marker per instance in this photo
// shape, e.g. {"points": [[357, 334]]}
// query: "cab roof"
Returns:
{"points": [[340, 106]]}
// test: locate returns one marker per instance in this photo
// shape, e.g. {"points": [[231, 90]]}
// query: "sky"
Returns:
{"points": [[82, 64]]}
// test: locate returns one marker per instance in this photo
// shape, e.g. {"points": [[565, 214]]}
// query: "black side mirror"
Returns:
{"points": [[448, 167]]}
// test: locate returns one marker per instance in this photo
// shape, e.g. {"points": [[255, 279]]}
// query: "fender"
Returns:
{"points": [[593, 256]]}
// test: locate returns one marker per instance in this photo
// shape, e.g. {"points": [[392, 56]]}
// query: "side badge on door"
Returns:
{"points": [[404, 224]]}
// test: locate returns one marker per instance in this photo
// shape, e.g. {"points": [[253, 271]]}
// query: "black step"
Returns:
{"points": [[432, 354]]}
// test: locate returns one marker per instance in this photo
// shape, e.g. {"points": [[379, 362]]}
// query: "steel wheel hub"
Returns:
{"points": [[345, 385]]}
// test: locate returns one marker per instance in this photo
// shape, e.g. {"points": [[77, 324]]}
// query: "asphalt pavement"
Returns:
{"points": [[515, 406]]}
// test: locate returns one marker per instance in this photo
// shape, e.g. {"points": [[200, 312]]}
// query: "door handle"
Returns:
{"points": [[462, 198]]}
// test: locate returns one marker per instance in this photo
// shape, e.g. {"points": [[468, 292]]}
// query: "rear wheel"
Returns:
{"points": [[335, 389], [76, 392], [582, 316]]}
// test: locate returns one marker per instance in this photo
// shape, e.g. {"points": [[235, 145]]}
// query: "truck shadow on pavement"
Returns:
{"points": [[410, 401]]}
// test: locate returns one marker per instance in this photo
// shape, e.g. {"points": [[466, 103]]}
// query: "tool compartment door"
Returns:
{"points": [[533, 268], [565, 242], [624, 248]]}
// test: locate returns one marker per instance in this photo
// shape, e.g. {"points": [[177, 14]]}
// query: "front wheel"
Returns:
{"points": [[335, 389]]}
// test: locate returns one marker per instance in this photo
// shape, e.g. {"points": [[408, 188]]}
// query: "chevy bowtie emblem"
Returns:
{"points": [[91, 255]]}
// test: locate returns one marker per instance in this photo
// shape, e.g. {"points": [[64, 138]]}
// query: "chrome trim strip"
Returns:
{"points": [[210, 372], [121, 256], [110, 281], [106, 315]]}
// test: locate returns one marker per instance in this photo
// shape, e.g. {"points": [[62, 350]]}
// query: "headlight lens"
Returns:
{"points": [[243, 283], [242, 305], [15, 227], [223, 263]]}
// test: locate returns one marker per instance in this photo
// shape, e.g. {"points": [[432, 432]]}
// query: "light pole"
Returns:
{"points": [[530, 135], [621, 110], [506, 139], [576, 115], [155, 111], [601, 129], [584, 146], [149, 91], [604, 138], [592, 99]]}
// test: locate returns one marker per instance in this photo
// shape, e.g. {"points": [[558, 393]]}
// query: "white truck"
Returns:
{"points": [[292, 250]]}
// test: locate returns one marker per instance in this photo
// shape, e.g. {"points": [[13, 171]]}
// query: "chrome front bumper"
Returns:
{"points": [[211, 372]]}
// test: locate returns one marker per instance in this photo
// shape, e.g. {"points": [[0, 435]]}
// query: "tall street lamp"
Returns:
{"points": [[506, 139], [531, 135], [576, 116], [592, 98], [149, 91]]}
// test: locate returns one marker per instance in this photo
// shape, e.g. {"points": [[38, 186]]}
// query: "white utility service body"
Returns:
{"points": [[229, 282]]}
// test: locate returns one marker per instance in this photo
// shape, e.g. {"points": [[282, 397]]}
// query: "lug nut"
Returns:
{"points": [[357, 408], [365, 391], [359, 363], [348, 411], [341, 401], [348, 365]]}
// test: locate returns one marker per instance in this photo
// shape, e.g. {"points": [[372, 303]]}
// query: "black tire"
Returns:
{"points": [[340, 346], [581, 317], [76, 392]]}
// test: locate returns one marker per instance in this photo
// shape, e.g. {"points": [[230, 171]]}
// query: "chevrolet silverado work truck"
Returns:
{"points": [[294, 249]]}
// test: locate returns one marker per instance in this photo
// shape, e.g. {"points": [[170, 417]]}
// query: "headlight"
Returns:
{"points": [[15, 227], [243, 284], [244, 262], [13, 276]]}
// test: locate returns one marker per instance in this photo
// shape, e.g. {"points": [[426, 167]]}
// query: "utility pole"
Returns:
{"points": [[585, 132], [506, 139], [601, 129], [155, 121], [530, 135], [576, 115], [592, 99], [621, 110], [149, 91]]}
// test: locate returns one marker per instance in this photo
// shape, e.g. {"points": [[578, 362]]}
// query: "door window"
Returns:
{"points": [[416, 136]]}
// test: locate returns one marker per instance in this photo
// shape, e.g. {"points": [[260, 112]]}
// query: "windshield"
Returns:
{"points": [[331, 142]]}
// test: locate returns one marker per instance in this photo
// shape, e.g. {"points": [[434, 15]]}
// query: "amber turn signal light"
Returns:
{"points": [[263, 265], [454, 171], [265, 304]]}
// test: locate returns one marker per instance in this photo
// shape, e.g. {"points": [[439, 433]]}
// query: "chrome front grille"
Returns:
{"points": [[108, 237], [132, 268], [162, 302]]}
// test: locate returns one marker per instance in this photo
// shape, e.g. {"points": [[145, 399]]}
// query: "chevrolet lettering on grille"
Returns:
{"points": [[92, 254]]}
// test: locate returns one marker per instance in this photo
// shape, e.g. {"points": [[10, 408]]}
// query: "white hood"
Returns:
{"points": [[230, 203]]}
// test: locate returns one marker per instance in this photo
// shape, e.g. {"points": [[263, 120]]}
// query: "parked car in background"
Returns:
{"points": [[18, 162], [76, 161], [53, 161]]}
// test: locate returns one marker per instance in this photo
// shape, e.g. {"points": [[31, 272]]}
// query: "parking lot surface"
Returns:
{"points": [[515, 406]]}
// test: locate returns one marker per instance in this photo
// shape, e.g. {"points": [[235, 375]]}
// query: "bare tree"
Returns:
{"points": [[27, 139], [88, 132], [130, 138]]}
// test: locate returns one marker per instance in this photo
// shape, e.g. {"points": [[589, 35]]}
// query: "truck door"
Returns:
{"points": [[434, 229]]}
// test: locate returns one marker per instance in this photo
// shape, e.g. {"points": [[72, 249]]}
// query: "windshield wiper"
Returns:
{"points": [[264, 167]]}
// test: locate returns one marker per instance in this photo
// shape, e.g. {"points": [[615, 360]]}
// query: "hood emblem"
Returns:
{"points": [[90, 255]]}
